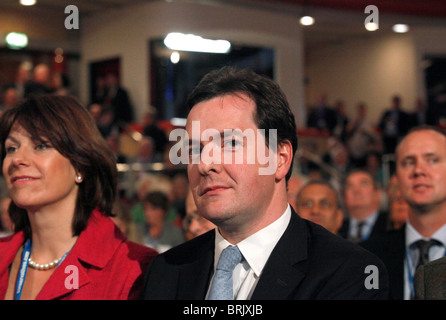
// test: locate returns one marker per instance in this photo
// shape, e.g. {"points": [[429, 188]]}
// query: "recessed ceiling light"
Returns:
{"points": [[16, 40], [28, 2], [175, 57], [190, 42], [306, 21], [371, 26], [400, 28]]}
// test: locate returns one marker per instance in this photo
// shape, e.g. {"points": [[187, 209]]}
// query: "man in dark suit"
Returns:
{"points": [[421, 173], [394, 124], [118, 99], [40, 83], [233, 114], [322, 116], [362, 197], [430, 281]]}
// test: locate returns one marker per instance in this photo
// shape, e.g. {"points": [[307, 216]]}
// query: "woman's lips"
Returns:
{"points": [[22, 180]]}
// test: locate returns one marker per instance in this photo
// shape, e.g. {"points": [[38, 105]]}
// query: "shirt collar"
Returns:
{"points": [[257, 248], [413, 235], [370, 220]]}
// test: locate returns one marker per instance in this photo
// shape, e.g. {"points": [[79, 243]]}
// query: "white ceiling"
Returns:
{"points": [[333, 24], [84, 6]]}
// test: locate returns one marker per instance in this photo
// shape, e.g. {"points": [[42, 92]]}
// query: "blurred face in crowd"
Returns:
{"points": [[154, 216], [10, 97], [4, 214], [42, 74], [319, 203], [193, 224], [294, 185], [421, 170], [398, 206], [399, 209], [360, 195]]}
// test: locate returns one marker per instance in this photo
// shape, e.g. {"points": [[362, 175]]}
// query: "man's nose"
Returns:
{"points": [[419, 168], [210, 160], [315, 210]]}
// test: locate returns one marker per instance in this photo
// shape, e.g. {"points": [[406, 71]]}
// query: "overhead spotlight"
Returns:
{"points": [[175, 57], [28, 2], [190, 42], [306, 21], [371, 26], [400, 28], [16, 40]]}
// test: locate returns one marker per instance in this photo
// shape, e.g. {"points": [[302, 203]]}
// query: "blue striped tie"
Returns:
{"points": [[221, 288]]}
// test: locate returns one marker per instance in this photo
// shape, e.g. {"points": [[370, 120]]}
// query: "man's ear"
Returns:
{"points": [[284, 159]]}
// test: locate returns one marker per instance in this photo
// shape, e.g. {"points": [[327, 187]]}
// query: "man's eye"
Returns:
{"points": [[306, 204], [408, 162], [232, 144], [433, 160], [193, 151], [325, 204]]}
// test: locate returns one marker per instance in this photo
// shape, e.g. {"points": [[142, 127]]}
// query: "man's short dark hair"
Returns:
{"points": [[272, 108], [158, 200], [376, 185]]}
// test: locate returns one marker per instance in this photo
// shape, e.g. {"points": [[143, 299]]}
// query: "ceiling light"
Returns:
{"points": [[400, 28], [27, 2], [371, 26], [190, 42], [175, 57], [306, 21], [16, 40]]}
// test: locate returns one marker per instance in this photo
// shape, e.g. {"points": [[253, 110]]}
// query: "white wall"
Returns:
{"points": [[369, 70], [126, 34], [428, 41]]}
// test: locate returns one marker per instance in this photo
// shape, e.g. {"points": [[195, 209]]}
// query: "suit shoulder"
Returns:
{"points": [[384, 240], [324, 241], [191, 249]]}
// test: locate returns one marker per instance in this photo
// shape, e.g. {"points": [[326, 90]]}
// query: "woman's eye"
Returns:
{"points": [[42, 146], [10, 149]]}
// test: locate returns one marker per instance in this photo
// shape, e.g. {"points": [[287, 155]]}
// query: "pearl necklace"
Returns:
{"points": [[42, 267]]}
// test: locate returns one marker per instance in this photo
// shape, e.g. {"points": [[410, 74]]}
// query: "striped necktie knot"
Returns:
{"points": [[423, 249]]}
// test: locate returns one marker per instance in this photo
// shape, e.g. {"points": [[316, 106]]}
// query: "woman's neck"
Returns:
{"points": [[52, 235]]}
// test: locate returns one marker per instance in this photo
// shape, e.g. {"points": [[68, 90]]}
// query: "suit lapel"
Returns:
{"points": [[195, 274], [380, 224], [281, 274], [395, 262]]}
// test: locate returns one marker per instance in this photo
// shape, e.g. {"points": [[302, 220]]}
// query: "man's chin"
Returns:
{"points": [[422, 207]]}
